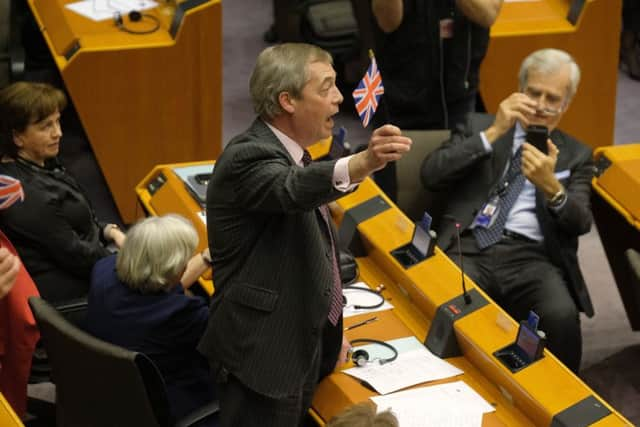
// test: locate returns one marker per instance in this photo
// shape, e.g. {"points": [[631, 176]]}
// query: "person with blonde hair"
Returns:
{"points": [[364, 415], [137, 301]]}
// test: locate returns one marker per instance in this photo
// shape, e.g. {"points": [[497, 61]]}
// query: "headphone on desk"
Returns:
{"points": [[377, 292], [361, 357], [136, 16]]}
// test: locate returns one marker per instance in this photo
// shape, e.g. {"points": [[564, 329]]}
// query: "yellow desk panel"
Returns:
{"points": [[8, 417]]}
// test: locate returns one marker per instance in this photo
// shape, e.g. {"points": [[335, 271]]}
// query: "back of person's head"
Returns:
{"points": [[155, 253], [23, 104], [549, 61], [282, 68], [364, 415]]}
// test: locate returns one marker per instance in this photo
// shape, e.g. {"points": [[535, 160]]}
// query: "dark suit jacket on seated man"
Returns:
{"points": [[274, 261], [523, 255]]}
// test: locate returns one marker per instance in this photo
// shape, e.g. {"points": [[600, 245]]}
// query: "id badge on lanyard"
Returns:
{"points": [[488, 214]]}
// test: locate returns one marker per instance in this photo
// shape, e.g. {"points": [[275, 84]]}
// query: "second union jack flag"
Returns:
{"points": [[368, 93], [10, 191]]}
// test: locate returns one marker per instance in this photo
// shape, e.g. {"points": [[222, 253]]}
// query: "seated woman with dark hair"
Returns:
{"points": [[137, 301], [54, 229]]}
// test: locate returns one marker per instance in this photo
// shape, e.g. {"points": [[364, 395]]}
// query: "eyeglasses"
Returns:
{"points": [[547, 111]]}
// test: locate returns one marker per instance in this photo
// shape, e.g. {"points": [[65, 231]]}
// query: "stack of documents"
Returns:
{"points": [[443, 405]]}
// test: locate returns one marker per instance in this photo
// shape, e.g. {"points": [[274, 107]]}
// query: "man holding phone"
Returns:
{"points": [[521, 208]]}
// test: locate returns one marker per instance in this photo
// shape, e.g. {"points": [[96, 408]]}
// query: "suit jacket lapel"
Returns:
{"points": [[502, 150]]}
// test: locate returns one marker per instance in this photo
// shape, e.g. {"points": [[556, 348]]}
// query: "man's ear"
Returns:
{"points": [[17, 140], [287, 103]]}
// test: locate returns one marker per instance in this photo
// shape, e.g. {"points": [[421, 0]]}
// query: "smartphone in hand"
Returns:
{"points": [[537, 136]]}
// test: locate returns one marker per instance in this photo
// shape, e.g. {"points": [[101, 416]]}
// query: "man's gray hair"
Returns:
{"points": [[547, 61], [155, 253], [282, 68]]}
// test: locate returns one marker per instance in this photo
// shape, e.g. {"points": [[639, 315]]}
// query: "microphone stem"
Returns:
{"points": [[465, 295]]}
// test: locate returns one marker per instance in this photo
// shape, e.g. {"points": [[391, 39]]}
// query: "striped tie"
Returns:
{"points": [[492, 235], [335, 307]]}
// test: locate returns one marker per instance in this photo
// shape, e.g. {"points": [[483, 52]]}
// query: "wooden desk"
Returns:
{"points": [[523, 27], [142, 99], [530, 397]]}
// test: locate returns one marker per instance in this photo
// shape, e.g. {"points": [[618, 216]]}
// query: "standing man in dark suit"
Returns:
{"points": [[274, 259], [521, 211]]}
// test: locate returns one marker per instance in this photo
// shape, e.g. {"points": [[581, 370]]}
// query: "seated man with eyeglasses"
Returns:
{"points": [[521, 211]]}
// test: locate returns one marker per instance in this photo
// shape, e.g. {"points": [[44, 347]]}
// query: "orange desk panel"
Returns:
{"points": [[523, 27], [143, 100]]}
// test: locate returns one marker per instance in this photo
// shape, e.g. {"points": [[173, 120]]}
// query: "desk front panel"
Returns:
{"points": [[143, 100], [593, 41]]}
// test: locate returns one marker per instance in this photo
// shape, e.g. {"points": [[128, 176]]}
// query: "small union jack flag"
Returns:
{"points": [[10, 191], [368, 93]]}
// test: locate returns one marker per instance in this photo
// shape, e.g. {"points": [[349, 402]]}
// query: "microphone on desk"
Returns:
{"points": [[465, 294]]}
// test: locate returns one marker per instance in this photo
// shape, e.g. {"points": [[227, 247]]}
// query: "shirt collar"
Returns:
{"points": [[518, 136], [293, 148]]}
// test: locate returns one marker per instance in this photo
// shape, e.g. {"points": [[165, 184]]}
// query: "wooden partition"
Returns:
{"points": [[142, 99], [593, 40]]}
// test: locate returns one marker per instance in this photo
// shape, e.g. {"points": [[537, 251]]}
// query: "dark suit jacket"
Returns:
{"points": [[468, 174], [166, 326], [271, 263]]}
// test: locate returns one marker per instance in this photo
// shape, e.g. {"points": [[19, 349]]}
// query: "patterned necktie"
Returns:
{"points": [[335, 307], [515, 180]]}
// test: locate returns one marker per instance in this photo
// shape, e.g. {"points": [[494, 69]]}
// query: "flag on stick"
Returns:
{"points": [[368, 92]]}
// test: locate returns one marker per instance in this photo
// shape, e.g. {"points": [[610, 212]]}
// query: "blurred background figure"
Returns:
{"points": [[364, 415], [429, 54], [630, 38]]}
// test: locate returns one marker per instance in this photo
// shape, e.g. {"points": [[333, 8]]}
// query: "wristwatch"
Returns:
{"points": [[557, 199]]}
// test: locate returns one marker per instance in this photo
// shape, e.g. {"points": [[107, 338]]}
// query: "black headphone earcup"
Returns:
{"points": [[135, 16], [360, 357]]}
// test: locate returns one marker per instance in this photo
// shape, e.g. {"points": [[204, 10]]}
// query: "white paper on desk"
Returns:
{"points": [[452, 404], [355, 297], [99, 10], [410, 368]]}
